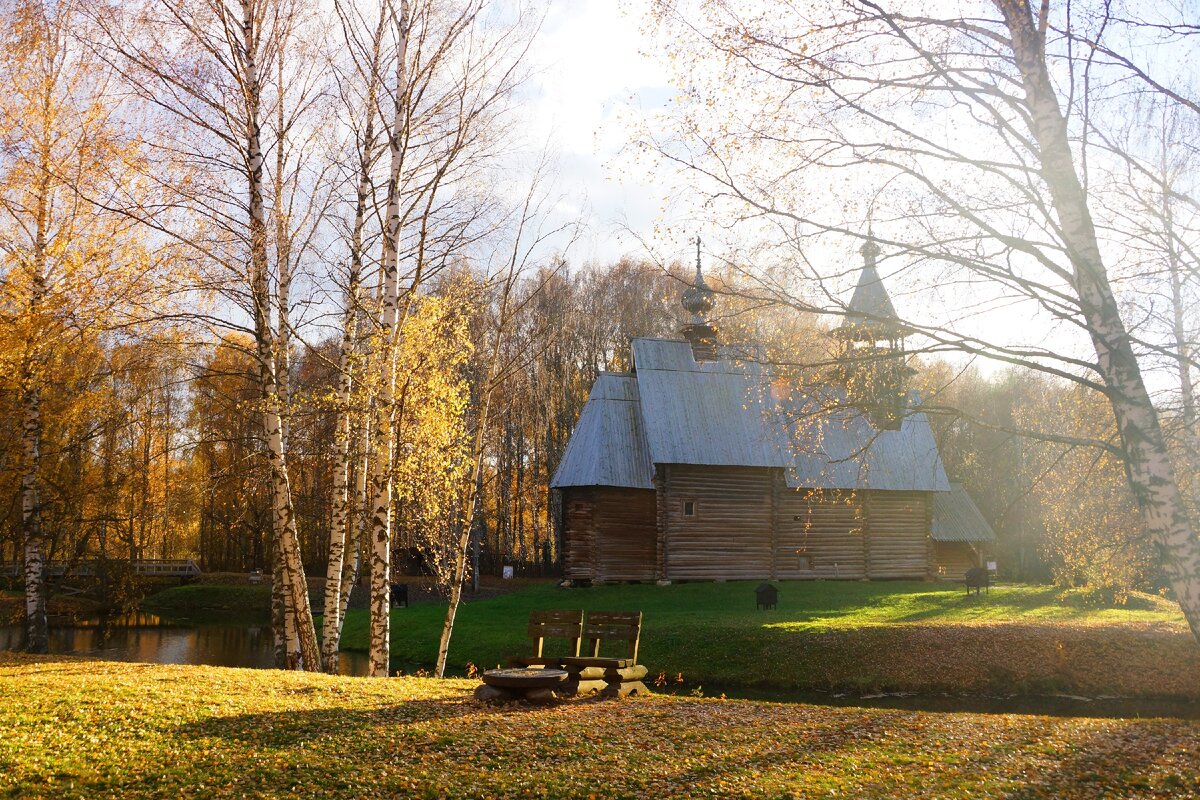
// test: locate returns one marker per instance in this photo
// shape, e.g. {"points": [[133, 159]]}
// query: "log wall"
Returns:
{"points": [[579, 532], [897, 534], [609, 533], [626, 550], [729, 537], [747, 525], [951, 560], [824, 528]]}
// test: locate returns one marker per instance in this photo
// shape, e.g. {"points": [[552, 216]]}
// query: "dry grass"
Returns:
{"points": [[82, 729]]}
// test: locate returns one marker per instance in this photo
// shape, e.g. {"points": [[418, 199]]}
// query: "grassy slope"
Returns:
{"points": [[84, 729], [856, 635], [209, 599]]}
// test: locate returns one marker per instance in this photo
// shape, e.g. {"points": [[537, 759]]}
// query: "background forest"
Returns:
{"points": [[157, 455]]}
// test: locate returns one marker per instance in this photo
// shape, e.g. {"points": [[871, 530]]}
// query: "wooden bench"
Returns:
{"points": [[614, 676], [545, 625]]}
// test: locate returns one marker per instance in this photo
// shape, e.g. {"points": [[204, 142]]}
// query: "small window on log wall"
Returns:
{"points": [[689, 508], [804, 563]]}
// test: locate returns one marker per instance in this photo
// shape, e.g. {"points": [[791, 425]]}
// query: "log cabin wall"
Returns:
{"points": [[626, 549], [579, 532], [727, 535], [952, 560], [820, 535], [610, 534], [897, 539]]}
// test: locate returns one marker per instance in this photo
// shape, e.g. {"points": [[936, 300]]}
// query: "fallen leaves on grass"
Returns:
{"points": [[80, 728]]}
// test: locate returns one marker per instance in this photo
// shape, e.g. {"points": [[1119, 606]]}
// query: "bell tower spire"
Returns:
{"points": [[872, 363]]}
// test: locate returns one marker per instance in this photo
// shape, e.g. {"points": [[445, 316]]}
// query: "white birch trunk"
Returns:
{"points": [[37, 636], [283, 523], [381, 476], [352, 569], [1147, 460], [342, 513], [279, 616], [464, 537], [343, 504]]}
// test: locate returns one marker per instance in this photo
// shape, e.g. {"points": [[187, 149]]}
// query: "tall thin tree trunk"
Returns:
{"points": [[1183, 346], [381, 474], [1148, 464], [339, 569], [37, 635], [283, 517], [351, 569]]}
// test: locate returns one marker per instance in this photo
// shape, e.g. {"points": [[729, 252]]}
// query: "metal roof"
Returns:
{"points": [[956, 518], [607, 447], [703, 413], [836, 447], [674, 410]]}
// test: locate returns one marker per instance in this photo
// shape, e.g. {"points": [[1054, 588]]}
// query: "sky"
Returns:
{"points": [[598, 75], [592, 76]]}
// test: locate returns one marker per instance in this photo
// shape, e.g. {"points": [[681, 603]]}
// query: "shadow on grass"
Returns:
{"points": [[286, 729]]}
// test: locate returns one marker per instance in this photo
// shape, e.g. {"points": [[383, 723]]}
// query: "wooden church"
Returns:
{"points": [[690, 467]]}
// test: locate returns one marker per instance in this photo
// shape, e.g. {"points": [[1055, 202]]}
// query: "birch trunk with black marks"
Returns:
{"points": [[339, 569], [1150, 472], [342, 502], [352, 567], [283, 523], [280, 635], [37, 637], [381, 474]]}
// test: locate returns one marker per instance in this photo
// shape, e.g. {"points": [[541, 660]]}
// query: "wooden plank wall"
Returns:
{"points": [[952, 560], [579, 532], [730, 535], [609, 534], [747, 526], [626, 548], [897, 534], [826, 526]]}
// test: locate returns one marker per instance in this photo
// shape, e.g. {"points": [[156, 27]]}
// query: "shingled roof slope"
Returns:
{"points": [[673, 410], [870, 300], [608, 447], [956, 518]]}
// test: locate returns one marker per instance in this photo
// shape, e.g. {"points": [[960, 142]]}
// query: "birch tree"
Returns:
{"points": [[531, 234], [976, 135], [69, 268], [213, 67], [454, 76], [359, 90]]}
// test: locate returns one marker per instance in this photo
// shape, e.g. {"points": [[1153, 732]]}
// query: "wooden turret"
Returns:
{"points": [[872, 361], [699, 300]]}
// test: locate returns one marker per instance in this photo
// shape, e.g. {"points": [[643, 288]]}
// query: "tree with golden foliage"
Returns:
{"points": [[71, 267]]}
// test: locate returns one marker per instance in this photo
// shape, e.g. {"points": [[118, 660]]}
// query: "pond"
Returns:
{"points": [[150, 638], [153, 639]]}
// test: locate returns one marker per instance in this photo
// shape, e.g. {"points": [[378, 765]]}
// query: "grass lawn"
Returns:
{"points": [[77, 728], [206, 600], [845, 635]]}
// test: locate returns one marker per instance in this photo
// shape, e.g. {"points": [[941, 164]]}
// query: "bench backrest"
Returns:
{"points": [[623, 626], [555, 625]]}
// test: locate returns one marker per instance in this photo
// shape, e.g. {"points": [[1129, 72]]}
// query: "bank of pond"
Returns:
{"points": [[907, 645]]}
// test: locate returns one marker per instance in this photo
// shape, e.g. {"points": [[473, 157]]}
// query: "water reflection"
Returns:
{"points": [[148, 638]]}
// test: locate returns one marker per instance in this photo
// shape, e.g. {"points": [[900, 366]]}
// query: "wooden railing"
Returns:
{"points": [[146, 567]]}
